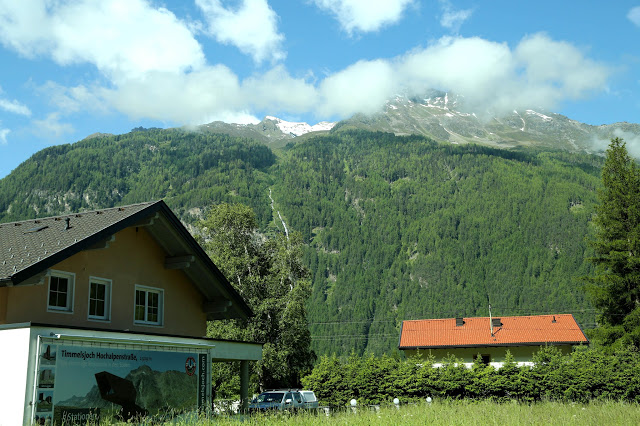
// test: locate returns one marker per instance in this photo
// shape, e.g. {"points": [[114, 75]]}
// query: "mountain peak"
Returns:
{"points": [[444, 116]]}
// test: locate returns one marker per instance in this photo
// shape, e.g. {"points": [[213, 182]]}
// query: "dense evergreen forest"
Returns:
{"points": [[396, 228], [187, 169]]}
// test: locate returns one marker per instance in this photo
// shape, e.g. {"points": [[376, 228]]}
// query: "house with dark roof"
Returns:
{"points": [[126, 291], [466, 338]]}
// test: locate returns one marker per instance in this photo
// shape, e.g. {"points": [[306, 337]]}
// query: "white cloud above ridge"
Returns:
{"points": [[252, 28], [3, 136], [364, 15], [178, 86], [632, 142], [453, 19], [121, 38], [634, 15], [51, 127], [491, 76], [14, 107]]}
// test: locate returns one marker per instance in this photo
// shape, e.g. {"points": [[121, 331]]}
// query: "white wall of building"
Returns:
{"points": [[14, 373]]}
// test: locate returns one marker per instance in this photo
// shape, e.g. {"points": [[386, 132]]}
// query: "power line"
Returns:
{"points": [[354, 336]]}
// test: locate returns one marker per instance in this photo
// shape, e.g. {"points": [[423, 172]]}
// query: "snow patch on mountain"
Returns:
{"points": [[300, 128], [544, 117]]}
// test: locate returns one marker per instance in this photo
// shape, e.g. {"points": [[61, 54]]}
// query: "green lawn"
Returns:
{"points": [[457, 413]]}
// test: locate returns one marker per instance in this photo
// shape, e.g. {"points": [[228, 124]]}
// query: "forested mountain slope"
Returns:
{"points": [[406, 228], [398, 227], [187, 169]]}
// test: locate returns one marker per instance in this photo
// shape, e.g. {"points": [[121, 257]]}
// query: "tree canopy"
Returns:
{"points": [[269, 274], [615, 285]]}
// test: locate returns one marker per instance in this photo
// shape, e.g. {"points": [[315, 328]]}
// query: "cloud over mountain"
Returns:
{"points": [[364, 15], [121, 38], [153, 66], [252, 28]]}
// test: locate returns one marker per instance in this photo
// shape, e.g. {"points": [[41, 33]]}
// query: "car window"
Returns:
{"points": [[288, 396], [270, 397], [297, 397], [309, 396]]}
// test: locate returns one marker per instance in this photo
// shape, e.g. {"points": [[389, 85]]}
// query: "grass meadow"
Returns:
{"points": [[452, 413]]}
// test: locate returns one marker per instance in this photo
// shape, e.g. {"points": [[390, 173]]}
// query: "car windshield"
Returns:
{"points": [[270, 397]]}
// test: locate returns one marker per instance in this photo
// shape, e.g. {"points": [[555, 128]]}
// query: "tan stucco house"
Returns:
{"points": [[466, 338], [117, 297]]}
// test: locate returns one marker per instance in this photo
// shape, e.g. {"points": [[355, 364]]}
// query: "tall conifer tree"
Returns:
{"points": [[615, 285]]}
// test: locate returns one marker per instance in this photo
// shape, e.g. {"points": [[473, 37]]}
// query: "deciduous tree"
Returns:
{"points": [[269, 274]]}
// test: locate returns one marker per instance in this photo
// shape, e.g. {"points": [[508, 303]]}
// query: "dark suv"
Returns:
{"points": [[277, 400]]}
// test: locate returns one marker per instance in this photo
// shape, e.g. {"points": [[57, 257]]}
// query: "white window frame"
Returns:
{"points": [[147, 290], [107, 302], [71, 285]]}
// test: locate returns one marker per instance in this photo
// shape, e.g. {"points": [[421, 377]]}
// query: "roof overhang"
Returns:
{"points": [[222, 301]]}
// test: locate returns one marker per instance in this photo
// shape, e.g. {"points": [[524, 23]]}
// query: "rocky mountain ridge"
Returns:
{"points": [[442, 116]]}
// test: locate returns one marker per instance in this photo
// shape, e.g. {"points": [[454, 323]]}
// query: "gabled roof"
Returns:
{"points": [[28, 248], [476, 332]]}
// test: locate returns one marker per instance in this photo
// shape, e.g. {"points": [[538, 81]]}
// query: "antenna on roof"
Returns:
{"points": [[490, 320]]}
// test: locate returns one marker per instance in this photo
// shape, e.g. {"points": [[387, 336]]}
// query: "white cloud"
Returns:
{"points": [[362, 87], [51, 127], [632, 141], [14, 107], [453, 19], [539, 72], [210, 94], [365, 15], [197, 97], [276, 91], [3, 136], [252, 28], [73, 99], [155, 68], [634, 15], [122, 38]]}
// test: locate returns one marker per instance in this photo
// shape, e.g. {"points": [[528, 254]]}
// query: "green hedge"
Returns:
{"points": [[582, 376]]}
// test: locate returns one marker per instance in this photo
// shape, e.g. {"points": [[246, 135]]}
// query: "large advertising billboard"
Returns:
{"points": [[84, 384]]}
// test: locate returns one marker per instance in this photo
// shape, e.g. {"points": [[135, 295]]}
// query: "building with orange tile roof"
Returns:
{"points": [[466, 338]]}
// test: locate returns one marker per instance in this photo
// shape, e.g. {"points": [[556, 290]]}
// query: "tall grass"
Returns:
{"points": [[452, 413]]}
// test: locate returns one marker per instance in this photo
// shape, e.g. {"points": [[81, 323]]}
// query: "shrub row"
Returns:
{"points": [[582, 376]]}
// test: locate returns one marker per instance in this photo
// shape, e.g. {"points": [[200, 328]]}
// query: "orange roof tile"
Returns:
{"points": [[514, 331]]}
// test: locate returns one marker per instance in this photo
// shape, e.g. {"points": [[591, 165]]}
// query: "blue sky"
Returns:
{"points": [[72, 68]]}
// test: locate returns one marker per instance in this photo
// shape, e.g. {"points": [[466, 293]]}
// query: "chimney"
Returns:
{"points": [[459, 322]]}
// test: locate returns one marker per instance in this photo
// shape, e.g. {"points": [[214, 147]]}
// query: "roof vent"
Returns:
{"points": [[35, 229], [459, 322], [554, 319], [496, 322], [68, 223]]}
